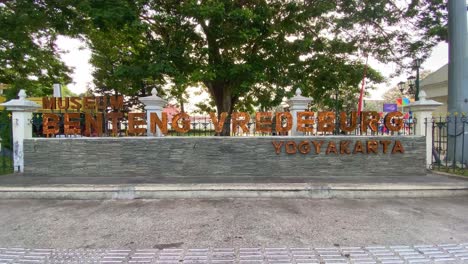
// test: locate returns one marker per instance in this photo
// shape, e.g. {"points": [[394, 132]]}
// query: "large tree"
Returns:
{"points": [[253, 52], [29, 58], [250, 52]]}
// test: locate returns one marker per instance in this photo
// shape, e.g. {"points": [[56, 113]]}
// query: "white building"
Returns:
{"points": [[436, 87]]}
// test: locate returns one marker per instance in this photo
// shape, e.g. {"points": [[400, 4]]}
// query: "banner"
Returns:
{"points": [[390, 107], [402, 101]]}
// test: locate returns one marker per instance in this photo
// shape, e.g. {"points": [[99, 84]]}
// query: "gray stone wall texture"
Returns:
{"points": [[217, 157]]}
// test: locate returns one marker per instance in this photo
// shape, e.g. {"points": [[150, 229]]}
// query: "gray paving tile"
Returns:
{"points": [[444, 253]]}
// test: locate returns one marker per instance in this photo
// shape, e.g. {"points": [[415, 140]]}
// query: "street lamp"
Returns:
{"points": [[401, 87], [337, 93], [411, 81], [417, 65]]}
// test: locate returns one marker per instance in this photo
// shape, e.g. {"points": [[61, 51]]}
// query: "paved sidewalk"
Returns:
{"points": [[443, 253], [240, 231], [153, 187], [400, 178], [232, 223]]}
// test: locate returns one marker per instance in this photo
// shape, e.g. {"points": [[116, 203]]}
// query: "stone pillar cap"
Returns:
{"points": [[153, 100], [423, 104], [21, 104], [298, 100]]}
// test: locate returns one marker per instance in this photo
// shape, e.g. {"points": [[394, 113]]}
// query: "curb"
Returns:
{"points": [[450, 175], [181, 191]]}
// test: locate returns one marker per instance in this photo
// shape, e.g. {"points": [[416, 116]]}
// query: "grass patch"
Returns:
{"points": [[451, 170], [6, 165], [192, 133]]}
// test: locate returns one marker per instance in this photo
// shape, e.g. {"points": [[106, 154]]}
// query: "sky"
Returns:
{"points": [[77, 56], [437, 59]]}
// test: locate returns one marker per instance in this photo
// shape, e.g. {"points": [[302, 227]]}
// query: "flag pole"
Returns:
{"points": [[361, 95]]}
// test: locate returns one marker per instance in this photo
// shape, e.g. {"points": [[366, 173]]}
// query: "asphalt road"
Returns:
{"points": [[192, 223]]}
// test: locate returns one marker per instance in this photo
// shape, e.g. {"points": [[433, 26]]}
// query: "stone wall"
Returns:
{"points": [[217, 157]]}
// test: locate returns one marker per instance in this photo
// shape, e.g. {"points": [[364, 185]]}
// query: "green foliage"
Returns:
{"points": [[66, 92], [432, 18], [206, 107], [251, 53], [28, 56], [6, 165], [247, 53]]}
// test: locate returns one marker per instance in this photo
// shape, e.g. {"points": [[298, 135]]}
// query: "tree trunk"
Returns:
{"points": [[224, 101], [225, 105], [181, 102]]}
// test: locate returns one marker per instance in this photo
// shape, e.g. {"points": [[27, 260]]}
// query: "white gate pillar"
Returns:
{"points": [[22, 111], [422, 110], [297, 104], [153, 104]]}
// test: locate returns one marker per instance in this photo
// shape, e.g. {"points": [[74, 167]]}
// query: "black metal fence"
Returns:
{"points": [[6, 143], [449, 143], [203, 126]]}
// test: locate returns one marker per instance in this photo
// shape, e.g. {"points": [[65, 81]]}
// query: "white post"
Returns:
{"points": [[422, 110], [22, 111], [297, 104], [57, 90], [153, 104]]}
